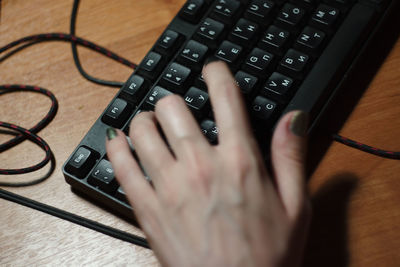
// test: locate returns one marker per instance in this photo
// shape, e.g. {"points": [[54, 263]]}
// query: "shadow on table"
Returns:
{"points": [[327, 243]]}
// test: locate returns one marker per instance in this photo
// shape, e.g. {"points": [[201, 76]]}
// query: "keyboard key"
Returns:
{"points": [[291, 16], [228, 52], [294, 62], [192, 10], [175, 77], [310, 40], [246, 82], [168, 43], [103, 177], [278, 85], [275, 39], [197, 100], [264, 109], [258, 61], [134, 88], [225, 10], [210, 31], [210, 130], [259, 11], [200, 82], [325, 16], [81, 162], [156, 94], [117, 113], [150, 65], [193, 54], [244, 32]]}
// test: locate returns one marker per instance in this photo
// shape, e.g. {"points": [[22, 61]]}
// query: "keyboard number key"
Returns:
{"points": [[103, 177], [210, 130], [193, 53], [156, 94], [175, 76], [192, 10], [210, 31], [225, 10]]}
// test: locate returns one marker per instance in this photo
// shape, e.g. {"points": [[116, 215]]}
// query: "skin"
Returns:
{"points": [[215, 205]]}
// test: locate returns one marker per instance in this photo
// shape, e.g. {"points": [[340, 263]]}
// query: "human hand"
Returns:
{"points": [[215, 205]]}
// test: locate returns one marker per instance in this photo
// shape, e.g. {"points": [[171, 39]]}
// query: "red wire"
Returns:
{"points": [[34, 138], [11, 88], [366, 148]]}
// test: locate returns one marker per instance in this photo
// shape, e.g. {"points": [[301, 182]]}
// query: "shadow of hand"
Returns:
{"points": [[327, 243]]}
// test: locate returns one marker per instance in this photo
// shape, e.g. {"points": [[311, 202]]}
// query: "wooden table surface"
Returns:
{"points": [[356, 196]]}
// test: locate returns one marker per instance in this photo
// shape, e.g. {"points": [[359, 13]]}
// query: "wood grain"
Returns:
{"points": [[355, 195]]}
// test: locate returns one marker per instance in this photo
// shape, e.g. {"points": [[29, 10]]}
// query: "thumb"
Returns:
{"points": [[288, 159]]}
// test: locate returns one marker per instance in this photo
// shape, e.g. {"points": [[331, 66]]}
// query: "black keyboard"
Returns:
{"points": [[284, 55]]}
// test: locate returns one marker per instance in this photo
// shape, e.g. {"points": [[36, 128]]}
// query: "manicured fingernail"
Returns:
{"points": [[111, 133], [210, 60], [299, 123]]}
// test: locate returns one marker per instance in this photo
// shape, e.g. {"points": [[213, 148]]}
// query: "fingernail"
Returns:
{"points": [[210, 60], [111, 133], [299, 123]]}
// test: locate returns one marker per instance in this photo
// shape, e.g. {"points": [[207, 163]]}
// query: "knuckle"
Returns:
{"points": [[169, 100], [199, 166], [241, 159], [201, 171], [140, 125]]}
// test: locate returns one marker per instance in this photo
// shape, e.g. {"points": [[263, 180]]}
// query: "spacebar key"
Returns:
{"points": [[334, 61]]}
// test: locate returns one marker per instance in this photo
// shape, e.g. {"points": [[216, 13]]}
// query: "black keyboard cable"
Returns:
{"points": [[23, 134], [76, 57], [31, 134]]}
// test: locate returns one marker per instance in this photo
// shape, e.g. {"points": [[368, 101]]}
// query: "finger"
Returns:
{"points": [[288, 158], [149, 145], [128, 173], [226, 99], [178, 124]]}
